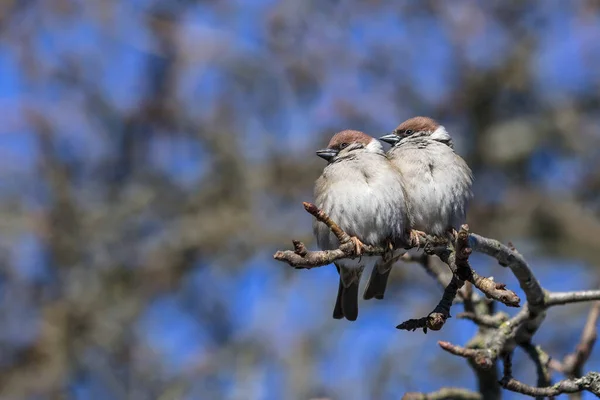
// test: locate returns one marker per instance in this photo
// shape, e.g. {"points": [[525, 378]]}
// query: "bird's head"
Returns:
{"points": [[346, 142], [418, 127]]}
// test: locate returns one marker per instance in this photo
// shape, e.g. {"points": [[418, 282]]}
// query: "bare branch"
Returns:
{"points": [[497, 335], [467, 294], [436, 319], [560, 298], [475, 355], [303, 258], [457, 260], [493, 290], [487, 356], [590, 382], [459, 263], [508, 257], [488, 321], [448, 393], [556, 365], [541, 360], [506, 333], [572, 366], [503, 337], [320, 215]]}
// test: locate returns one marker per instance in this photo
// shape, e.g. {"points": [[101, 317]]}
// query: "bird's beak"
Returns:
{"points": [[327, 154], [390, 138]]}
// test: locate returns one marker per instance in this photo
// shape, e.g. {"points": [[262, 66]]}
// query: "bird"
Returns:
{"points": [[438, 185], [363, 193]]}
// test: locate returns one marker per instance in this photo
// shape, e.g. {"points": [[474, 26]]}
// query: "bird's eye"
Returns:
{"points": [[343, 145], [408, 132]]}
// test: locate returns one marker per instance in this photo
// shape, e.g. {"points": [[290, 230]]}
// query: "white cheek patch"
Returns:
{"points": [[374, 146], [440, 134]]}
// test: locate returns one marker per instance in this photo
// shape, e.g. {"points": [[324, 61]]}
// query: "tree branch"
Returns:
{"points": [[458, 261], [541, 361], [436, 319], [457, 258], [488, 321], [497, 336], [476, 355], [486, 357], [561, 298], [572, 366], [509, 257], [589, 382], [303, 258], [448, 393]]}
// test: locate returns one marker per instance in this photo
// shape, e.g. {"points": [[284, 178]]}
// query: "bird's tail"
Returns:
{"points": [[378, 280], [338, 312], [379, 277], [346, 304]]}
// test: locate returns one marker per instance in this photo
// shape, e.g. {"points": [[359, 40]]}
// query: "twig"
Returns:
{"points": [[448, 393], [496, 336], [507, 333], [508, 257], [488, 321], [541, 360], [507, 362], [589, 382], [491, 289], [572, 365], [320, 215], [301, 257], [458, 260], [436, 319], [459, 263], [560, 298], [467, 294], [478, 356], [486, 357], [519, 330], [556, 365]]}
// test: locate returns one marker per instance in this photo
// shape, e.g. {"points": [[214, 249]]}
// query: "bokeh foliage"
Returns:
{"points": [[155, 153]]}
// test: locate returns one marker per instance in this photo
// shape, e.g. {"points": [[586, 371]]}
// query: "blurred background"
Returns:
{"points": [[155, 154]]}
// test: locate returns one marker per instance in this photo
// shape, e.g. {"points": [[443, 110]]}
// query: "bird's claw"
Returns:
{"points": [[389, 250], [358, 245], [414, 238], [428, 249], [452, 234]]}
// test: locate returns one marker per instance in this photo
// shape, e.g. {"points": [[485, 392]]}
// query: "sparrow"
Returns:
{"points": [[363, 193], [437, 181]]}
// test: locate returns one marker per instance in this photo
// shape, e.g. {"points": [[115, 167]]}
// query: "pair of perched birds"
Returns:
{"points": [[378, 198]]}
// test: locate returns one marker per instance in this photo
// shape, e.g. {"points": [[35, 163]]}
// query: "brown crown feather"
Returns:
{"points": [[349, 136], [418, 124]]}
